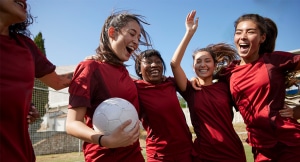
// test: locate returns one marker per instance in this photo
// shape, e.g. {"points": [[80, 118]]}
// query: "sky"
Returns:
{"points": [[71, 28]]}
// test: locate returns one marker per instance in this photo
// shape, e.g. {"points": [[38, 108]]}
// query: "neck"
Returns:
{"points": [[205, 81]]}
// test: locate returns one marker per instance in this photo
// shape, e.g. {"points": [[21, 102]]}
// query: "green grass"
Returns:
{"points": [[78, 156], [248, 152]]}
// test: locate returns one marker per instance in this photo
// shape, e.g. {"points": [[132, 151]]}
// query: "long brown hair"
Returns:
{"points": [[118, 20], [223, 54]]}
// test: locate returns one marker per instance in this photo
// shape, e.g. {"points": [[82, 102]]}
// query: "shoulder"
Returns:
{"points": [[278, 55], [25, 39], [88, 65]]}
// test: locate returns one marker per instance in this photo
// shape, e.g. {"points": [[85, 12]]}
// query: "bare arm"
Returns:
{"points": [[76, 127], [56, 81], [290, 112], [191, 27]]}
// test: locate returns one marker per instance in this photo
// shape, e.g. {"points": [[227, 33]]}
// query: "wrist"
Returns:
{"points": [[99, 140]]}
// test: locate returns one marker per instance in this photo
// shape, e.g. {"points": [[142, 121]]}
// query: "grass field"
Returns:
{"points": [[78, 157]]}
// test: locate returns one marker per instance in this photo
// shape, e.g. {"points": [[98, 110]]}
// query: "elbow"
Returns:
{"points": [[173, 64]]}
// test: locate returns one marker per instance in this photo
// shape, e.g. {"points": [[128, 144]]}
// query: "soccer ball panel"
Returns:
{"points": [[113, 112]]}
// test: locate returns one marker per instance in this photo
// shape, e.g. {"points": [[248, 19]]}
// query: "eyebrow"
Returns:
{"points": [[247, 29]]}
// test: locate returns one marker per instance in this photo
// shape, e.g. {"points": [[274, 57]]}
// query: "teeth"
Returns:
{"points": [[131, 48]]}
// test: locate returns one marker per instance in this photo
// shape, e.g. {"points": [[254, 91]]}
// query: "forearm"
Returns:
{"points": [[56, 81], [177, 70], [179, 52]]}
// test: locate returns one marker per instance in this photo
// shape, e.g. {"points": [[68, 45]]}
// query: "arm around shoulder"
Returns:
{"points": [[56, 81]]}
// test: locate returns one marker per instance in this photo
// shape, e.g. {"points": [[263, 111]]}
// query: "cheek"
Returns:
{"points": [[236, 39], [195, 66]]}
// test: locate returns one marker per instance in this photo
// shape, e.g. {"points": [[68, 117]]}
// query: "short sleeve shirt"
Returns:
{"points": [[20, 62], [258, 90], [211, 116], [92, 83], [162, 117]]}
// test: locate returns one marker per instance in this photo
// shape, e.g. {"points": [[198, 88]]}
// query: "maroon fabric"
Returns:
{"points": [[211, 115], [258, 90], [17, 72], [168, 136], [92, 83], [280, 153]]}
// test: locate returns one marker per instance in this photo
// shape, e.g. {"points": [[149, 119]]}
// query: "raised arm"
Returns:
{"points": [[191, 25]]}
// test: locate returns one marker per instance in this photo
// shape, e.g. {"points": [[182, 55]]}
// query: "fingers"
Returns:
{"points": [[33, 115], [125, 124], [195, 83], [121, 138], [286, 112]]}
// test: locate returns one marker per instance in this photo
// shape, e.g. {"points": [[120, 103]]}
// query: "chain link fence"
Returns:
{"points": [[48, 135]]}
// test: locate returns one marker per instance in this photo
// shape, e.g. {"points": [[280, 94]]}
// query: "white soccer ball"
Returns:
{"points": [[111, 113]]}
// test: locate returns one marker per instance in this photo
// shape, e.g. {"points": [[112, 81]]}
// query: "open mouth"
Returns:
{"points": [[130, 49], [154, 73], [244, 47]]}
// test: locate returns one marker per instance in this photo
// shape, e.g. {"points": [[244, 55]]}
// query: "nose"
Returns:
{"points": [[243, 35], [153, 64], [202, 64], [136, 41]]}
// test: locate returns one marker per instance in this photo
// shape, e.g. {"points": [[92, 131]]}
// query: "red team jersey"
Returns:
{"points": [[20, 62], [258, 89], [168, 136], [211, 115], [92, 83]]}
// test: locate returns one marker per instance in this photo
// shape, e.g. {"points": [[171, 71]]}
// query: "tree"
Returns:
{"points": [[40, 91]]}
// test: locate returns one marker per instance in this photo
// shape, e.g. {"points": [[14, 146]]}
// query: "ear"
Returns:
{"points": [[263, 38], [111, 32]]}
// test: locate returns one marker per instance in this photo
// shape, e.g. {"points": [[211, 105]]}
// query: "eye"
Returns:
{"points": [[158, 62], [238, 32]]}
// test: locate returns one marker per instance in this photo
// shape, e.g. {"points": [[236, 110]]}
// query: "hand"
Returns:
{"points": [[195, 83], [121, 138], [33, 114], [287, 112], [191, 24]]}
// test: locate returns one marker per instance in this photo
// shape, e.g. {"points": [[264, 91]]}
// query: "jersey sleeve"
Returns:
{"points": [[80, 86], [42, 65], [284, 60]]}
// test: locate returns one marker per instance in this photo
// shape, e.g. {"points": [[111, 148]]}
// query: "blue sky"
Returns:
{"points": [[71, 28]]}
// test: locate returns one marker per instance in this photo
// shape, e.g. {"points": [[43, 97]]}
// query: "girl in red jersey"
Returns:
{"points": [[257, 85], [211, 107], [168, 136], [20, 62], [96, 80]]}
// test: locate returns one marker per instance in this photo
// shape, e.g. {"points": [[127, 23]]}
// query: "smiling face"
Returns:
{"points": [[12, 11], [204, 66], [125, 40], [152, 69], [247, 39]]}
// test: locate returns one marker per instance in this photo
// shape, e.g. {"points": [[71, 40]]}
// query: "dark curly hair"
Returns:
{"points": [[21, 28]]}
